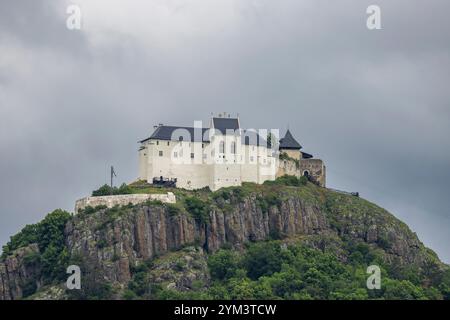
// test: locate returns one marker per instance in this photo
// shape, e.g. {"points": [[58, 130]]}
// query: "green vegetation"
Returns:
{"points": [[133, 188], [288, 180], [198, 208], [106, 190], [49, 236], [285, 156], [271, 270]]}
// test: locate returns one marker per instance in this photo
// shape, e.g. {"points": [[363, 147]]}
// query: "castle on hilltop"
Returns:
{"points": [[222, 155]]}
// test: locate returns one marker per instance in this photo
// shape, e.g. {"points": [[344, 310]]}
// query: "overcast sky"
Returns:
{"points": [[373, 104]]}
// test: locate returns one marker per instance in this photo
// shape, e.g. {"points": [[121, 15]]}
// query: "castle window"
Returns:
{"points": [[192, 155], [175, 154], [168, 143], [157, 142], [233, 147], [160, 153], [204, 156], [222, 147]]}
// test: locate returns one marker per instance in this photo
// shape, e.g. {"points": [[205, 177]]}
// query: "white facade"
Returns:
{"points": [[213, 158]]}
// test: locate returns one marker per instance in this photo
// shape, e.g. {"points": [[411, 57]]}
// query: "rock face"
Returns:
{"points": [[147, 231], [112, 241], [182, 270], [17, 272]]}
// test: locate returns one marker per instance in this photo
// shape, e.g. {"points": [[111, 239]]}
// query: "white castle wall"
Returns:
{"points": [[209, 167], [122, 200]]}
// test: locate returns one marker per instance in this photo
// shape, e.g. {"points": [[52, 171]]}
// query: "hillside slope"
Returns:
{"points": [[208, 244]]}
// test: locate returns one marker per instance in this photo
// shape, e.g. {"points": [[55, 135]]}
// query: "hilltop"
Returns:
{"points": [[285, 239]]}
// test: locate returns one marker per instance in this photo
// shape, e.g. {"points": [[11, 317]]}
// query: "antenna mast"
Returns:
{"points": [[113, 174]]}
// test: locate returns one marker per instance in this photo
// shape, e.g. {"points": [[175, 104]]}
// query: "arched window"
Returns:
{"points": [[222, 147]]}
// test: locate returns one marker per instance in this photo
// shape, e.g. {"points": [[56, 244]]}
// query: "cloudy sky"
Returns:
{"points": [[373, 104]]}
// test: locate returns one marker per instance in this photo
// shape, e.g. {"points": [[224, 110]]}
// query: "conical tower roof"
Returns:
{"points": [[289, 142]]}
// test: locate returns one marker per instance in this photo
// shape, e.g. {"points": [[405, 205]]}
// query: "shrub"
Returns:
{"points": [[223, 264], [198, 208], [129, 295], [173, 209], [288, 180], [261, 259], [32, 259], [106, 190]]}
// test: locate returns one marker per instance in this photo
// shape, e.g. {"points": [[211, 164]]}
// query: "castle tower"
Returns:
{"points": [[290, 146]]}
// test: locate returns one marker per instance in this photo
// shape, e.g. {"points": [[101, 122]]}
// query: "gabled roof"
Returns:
{"points": [[224, 124], [288, 142], [179, 133]]}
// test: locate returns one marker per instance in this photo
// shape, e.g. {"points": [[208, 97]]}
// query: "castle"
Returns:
{"points": [[222, 155]]}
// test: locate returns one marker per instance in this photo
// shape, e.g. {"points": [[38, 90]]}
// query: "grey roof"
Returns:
{"points": [[306, 155], [288, 142], [224, 124], [172, 133]]}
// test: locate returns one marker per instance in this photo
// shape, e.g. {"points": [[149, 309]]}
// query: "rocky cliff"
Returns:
{"points": [[110, 243]]}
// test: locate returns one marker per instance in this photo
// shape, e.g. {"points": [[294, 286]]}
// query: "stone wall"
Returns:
{"points": [[122, 200], [315, 169], [288, 167]]}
